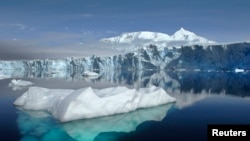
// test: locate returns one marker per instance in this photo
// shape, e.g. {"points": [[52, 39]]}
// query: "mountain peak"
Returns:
{"points": [[183, 31], [144, 38], [183, 34]]}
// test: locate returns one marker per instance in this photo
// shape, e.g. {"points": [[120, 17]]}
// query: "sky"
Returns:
{"points": [[55, 28]]}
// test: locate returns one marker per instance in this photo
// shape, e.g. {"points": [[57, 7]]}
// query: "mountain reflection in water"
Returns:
{"points": [[172, 81]]}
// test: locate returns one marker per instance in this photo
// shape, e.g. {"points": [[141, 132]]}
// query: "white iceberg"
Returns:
{"points": [[239, 70], [68, 105], [21, 83]]}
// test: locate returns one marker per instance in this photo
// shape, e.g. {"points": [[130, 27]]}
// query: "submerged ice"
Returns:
{"points": [[67, 105], [39, 125]]}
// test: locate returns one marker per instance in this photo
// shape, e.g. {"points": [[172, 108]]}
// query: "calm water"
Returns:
{"points": [[202, 98]]}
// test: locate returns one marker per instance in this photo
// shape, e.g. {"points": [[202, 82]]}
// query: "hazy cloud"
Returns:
{"points": [[19, 26], [26, 50]]}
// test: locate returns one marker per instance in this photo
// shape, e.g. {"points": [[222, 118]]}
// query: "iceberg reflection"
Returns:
{"points": [[37, 125]]}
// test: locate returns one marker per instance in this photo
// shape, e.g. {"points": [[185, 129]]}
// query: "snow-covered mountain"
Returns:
{"points": [[135, 36], [135, 40], [192, 38]]}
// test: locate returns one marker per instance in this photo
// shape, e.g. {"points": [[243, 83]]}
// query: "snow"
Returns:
{"points": [[68, 105], [37, 98], [183, 34], [133, 36], [152, 35]]}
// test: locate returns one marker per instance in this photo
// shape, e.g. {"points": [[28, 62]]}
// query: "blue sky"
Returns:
{"points": [[71, 23]]}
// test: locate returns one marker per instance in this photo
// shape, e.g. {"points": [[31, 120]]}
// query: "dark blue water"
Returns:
{"points": [[202, 99]]}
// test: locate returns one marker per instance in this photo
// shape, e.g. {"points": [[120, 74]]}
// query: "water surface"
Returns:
{"points": [[202, 98]]}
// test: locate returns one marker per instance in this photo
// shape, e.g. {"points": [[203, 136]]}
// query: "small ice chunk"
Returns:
{"points": [[68, 105], [20, 83], [239, 70]]}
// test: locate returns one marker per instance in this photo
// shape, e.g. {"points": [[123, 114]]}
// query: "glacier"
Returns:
{"points": [[225, 57], [215, 57], [149, 58], [67, 105]]}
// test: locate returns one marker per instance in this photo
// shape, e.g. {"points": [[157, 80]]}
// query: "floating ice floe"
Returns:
{"points": [[20, 83], [67, 105], [239, 70]]}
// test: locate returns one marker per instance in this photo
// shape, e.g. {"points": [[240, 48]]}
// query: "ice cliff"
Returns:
{"points": [[197, 57]]}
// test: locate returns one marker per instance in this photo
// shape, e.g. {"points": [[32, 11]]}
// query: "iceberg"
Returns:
{"points": [[21, 83], [67, 105], [239, 70]]}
